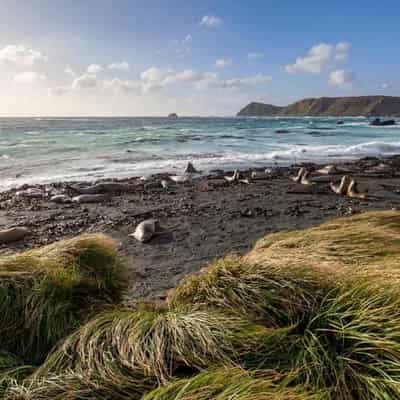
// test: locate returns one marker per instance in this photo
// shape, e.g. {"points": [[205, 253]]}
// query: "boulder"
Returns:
{"points": [[379, 122]]}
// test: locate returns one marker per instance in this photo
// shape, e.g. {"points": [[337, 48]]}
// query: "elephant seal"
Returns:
{"points": [[299, 175], [90, 198], [343, 186], [146, 230], [13, 234], [235, 177]]}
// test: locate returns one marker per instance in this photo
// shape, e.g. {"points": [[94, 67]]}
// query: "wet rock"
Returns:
{"points": [[13, 234]]}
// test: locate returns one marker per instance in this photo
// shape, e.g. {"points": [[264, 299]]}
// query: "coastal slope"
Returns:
{"points": [[380, 106]]}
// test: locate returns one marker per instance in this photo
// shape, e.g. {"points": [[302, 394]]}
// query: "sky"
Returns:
{"points": [[155, 57]]}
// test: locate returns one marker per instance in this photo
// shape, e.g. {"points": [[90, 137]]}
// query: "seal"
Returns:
{"points": [[13, 234], [146, 230], [343, 186]]}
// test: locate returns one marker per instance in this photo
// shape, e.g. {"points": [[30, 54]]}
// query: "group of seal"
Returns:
{"points": [[347, 186]]}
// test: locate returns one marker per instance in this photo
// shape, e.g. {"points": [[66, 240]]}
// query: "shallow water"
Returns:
{"points": [[39, 150]]}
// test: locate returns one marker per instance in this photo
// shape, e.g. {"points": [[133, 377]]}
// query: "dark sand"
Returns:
{"points": [[205, 219]]}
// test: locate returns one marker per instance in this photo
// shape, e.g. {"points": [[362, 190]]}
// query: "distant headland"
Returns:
{"points": [[383, 106]]}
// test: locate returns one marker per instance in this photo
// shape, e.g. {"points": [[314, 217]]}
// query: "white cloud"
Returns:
{"points": [[385, 85], [210, 21], [223, 62], [320, 57], [94, 69], [152, 74], [255, 56], [154, 78], [121, 66], [124, 86], [59, 90], [86, 81], [69, 71], [341, 77], [29, 78], [21, 55]]}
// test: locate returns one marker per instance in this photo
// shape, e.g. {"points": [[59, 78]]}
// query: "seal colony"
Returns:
{"points": [[203, 216]]}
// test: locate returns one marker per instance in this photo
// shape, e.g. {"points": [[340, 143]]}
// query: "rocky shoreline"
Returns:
{"points": [[202, 217]]}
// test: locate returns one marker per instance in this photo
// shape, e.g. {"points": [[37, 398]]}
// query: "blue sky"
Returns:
{"points": [[153, 57]]}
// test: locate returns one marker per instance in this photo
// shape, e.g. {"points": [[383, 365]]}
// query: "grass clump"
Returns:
{"points": [[271, 294], [156, 342], [46, 293], [231, 383]]}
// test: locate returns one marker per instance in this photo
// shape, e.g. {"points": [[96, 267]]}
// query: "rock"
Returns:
{"points": [[90, 198], [340, 123], [61, 199], [173, 116], [146, 230], [106, 187], [13, 234], [190, 169], [247, 212], [379, 122], [30, 193], [282, 131]]}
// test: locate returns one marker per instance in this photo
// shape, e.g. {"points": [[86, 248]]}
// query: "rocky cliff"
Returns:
{"points": [[383, 106]]}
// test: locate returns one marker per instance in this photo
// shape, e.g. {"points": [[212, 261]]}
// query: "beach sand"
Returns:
{"points": [[202, 220]]}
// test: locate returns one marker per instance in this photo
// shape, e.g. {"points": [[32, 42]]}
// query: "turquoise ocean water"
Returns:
{"points": [[40, 150]]}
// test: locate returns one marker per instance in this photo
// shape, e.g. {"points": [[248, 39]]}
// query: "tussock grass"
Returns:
{"points": [[155, 342], [231, 383], [46, 293], [351, 345], [272, 294], [317, 309], [360, 243]]}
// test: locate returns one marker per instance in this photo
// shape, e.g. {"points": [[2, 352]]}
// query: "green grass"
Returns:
{"points": [[47, 293], [231, 383], [311, 314]]}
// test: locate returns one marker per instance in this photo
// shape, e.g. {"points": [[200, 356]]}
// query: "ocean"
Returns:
{"points": [[42, 150]]}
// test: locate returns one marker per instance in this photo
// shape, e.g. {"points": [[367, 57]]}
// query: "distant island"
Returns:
{"points": [[382, 106]]}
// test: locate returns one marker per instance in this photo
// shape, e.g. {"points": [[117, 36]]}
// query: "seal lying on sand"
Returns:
{"points": [[90, 198], [146, 230], [13, 234], [328, 170], [106, 187], [299, 175], [353, 192], [190, 169], [236, 177], [304, 179], [343, 185]]}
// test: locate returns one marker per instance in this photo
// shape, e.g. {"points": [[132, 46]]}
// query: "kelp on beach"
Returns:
{"points": [[312, 314]]}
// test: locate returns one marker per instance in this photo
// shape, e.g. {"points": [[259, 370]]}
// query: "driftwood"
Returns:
{"points": [[352, 191]]}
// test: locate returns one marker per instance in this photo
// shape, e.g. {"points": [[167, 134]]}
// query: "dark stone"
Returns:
{"points": [[379, 122]]}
